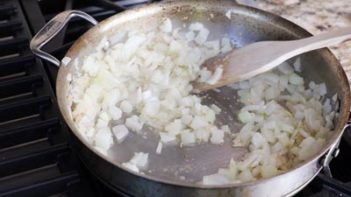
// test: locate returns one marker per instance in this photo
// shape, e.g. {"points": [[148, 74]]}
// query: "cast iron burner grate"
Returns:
{"points": [[35, 154], [35, 159]]}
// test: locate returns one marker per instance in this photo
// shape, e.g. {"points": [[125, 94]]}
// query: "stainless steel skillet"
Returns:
{"points": [[245, 26]]}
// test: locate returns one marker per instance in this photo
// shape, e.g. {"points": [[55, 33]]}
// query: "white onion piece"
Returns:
{"points": [[198, 122], [167, 138], [335, 97], [217, 75], [65, 61], [228, 14], [159, 148], [285, 68], [126, 107], [217, 136], [140, 159], [104, 44], [131, 166], [138, 162], [103, 138], [115, 112], [297, 64], [215, 179], [187, 138], [166, 25], [120, 132], [322, 89], [69, 77], [134, 123], [295, 79]]}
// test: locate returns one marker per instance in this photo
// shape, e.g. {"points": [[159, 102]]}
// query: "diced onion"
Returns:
{"points": [[65, 61], [134, 123], [120, 132], [215, 179], [103, 138], [138, 162], [284, 126], [159, 148], [145, 78], [216, 76]]}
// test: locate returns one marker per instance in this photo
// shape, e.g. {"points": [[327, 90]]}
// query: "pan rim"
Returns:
{"points": [[345, 105]]}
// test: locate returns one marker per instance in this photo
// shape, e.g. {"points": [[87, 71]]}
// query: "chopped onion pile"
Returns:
{"points": [[145, 80], [138, 162], [284, 124]]}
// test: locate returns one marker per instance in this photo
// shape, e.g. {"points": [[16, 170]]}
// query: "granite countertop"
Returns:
{"points": [[316, 16]]}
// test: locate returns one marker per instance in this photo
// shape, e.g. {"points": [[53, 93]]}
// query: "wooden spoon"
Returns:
{"points": [[243, 63]]}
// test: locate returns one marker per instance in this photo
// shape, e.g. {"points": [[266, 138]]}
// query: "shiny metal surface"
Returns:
{"points": [[246, 25], [51, 29]]}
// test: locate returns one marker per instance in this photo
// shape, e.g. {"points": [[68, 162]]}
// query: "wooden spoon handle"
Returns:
{"points": [[321, 40], [259, 57]]}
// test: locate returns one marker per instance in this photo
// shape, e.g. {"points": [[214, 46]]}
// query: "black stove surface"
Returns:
{"points": [[35, 154]]}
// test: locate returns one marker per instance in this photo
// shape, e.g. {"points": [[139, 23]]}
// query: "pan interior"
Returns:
{"points": [[243, 27]]}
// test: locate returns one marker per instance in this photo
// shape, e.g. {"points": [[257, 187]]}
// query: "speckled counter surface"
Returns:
{"points": [[316, 16]]}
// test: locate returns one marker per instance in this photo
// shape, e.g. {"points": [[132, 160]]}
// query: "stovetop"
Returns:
{"points": [[36, 158]]}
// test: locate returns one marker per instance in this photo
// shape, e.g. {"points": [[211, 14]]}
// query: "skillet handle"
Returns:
{"points": [[51, 29], [331, 154], [323, 163]]}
